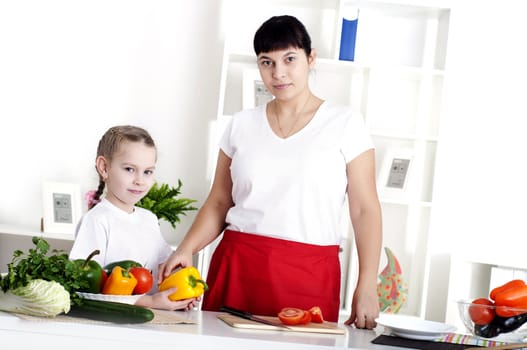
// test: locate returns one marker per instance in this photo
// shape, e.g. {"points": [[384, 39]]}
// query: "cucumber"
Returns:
{"points": [[111, 311]]}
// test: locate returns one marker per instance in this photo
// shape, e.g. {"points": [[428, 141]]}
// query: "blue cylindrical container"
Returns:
{"points": [[347, 39]]}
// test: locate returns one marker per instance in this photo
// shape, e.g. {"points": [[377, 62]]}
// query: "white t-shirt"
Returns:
{"points": [[120, 236], [293, 188]]}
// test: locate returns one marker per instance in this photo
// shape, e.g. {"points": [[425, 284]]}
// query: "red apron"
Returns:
{"points": [[262, 275]]}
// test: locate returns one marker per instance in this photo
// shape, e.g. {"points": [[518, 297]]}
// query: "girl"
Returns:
{"points": [[283, 174], [126, 160]]}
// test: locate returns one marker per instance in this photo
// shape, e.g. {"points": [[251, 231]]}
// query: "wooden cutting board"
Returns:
{"points": [[238, 322]]}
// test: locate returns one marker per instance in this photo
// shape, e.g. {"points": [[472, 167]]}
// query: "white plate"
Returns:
{"points": [[412, 327], [126, 299]]}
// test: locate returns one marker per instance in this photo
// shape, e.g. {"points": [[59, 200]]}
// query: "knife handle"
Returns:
{"points": [[236, 312]]}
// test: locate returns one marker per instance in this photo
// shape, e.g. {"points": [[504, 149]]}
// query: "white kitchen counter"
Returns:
{"points": [[207, 333]]}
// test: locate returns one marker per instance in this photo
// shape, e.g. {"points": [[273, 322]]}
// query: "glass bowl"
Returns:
{"points": [[486, 321]]}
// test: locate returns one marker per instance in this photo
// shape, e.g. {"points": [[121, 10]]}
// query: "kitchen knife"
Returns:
{"points": [[248, 316]]}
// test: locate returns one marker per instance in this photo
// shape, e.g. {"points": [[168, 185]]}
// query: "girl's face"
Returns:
{"points": [[285, 73], [130, 174]]}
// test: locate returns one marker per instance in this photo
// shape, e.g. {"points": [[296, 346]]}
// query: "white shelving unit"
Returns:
{"points": [[396, 83]]}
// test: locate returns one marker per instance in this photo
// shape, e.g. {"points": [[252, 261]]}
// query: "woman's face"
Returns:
{"points": [[285, 73]]}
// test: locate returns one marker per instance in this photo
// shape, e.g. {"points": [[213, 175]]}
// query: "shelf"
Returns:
{"points": [[405, 202], [248, 57], [400, 136], [17, 231]]}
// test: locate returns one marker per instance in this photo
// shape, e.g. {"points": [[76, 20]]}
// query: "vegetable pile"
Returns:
{"points": [[40, 284], [504, 311], [44, 283]]}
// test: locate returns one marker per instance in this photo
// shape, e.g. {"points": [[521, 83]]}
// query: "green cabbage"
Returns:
{"points": [[37, 298]]}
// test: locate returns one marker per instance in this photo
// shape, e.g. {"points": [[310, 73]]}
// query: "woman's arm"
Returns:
{"points": [[209, 222], [365, 213]]}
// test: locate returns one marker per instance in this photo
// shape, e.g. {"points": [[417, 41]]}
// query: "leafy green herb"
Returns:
{"points": [[38, 264], [163, 202]]}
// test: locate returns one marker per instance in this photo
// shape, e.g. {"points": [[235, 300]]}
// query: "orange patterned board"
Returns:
{"points": [[238, 322]]}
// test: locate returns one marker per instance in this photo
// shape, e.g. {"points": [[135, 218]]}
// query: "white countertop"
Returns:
{"points": [[207, 333]]}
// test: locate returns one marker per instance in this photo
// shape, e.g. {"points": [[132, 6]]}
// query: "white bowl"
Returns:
{"points": [[125, 299]]}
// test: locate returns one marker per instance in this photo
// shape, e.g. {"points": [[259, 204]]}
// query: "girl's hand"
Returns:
{"points": [[160, 300]]}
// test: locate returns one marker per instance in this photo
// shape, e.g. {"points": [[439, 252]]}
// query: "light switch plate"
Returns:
{"points": [[62, 209]]}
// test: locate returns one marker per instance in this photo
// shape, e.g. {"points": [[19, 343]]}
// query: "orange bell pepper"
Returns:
{"points": [[120, 282], [188, 283]]}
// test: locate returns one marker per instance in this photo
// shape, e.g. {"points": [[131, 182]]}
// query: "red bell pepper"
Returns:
{"points": [[511, 284], [510, 299]]}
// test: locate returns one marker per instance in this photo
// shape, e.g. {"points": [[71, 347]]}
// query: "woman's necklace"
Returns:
{"points": [[298, 115]]}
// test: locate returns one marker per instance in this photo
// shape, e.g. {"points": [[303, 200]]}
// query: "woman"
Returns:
{"points": [[282, 176]]}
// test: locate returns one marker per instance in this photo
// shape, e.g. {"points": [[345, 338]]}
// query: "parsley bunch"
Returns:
{"points": [[38, 264]]}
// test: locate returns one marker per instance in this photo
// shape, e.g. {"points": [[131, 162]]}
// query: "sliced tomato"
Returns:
{"points": [[316, 315], [293, 316], [307, 318]]}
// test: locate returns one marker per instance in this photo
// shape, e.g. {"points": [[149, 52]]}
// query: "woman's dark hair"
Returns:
{"points": [[110, 143], [281, 32]]}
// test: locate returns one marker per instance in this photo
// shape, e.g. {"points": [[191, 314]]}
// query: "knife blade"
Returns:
{"points": [[248, 316]]}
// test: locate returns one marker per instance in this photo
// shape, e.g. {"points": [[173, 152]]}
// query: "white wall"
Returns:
{"points": [[70, 69], [481, 181], [481, 178]]}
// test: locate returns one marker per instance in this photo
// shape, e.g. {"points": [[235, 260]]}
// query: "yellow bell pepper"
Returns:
{"points": [[188, 283], [120, 282]]}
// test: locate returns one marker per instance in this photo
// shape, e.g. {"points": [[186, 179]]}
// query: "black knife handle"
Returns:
{"points": [[236, 312]]}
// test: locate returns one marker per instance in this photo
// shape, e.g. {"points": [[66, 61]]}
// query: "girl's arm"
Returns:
{"points": [[160, 300]]}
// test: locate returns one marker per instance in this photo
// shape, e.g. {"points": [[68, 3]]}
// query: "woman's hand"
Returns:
{"points": [[176, 259], [160, 300], [364, 308]]}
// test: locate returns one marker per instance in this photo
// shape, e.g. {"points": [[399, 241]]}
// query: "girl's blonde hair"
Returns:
{"points": [[110, 143]]}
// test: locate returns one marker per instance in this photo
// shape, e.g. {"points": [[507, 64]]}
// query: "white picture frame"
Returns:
{"points": [[61, 206], [395, 176], [254, 91]]}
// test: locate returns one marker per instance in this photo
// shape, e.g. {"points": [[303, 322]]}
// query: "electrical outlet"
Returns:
{"points": [[398, 172], [62, 208], [261, 94]]}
